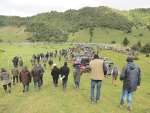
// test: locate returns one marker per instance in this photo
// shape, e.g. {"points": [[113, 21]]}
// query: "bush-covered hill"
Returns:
{"points": [[56, 26]]}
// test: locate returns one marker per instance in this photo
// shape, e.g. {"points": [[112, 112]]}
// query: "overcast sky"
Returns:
{"points": [[24, 8]]}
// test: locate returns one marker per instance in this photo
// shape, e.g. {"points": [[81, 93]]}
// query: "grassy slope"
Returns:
{"points": [[101, 36], [13, 34], [51, 99]]}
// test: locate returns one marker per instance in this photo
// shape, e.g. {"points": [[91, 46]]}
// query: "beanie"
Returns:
{"points": [[65, 63], [129, 59]]}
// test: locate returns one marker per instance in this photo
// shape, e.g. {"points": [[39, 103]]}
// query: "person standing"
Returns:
{"points": [[64, 71], [55, 73], [25, 78], [20, 63], [33, 61], [59, 56], [15, 61], [77, 74], [131, 76], [115, 73], [47, 55], [66, 58], [39, 66], [44, 61], [98, 71], [4, 76], [15, 72], [36, 73], [50, 63], [38, 58]]}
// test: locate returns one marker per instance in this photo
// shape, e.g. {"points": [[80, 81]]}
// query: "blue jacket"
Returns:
{"points": [[41, 69]]}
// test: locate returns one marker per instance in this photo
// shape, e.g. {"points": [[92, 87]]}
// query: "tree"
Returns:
{"points": [[146, 48], [148, 27], [113, 42], [91, 33], [135, 47], [139, 44], [125, 41]]}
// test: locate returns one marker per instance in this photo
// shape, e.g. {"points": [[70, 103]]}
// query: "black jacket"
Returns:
{"points": [[55, 72], [15, 60], [50, 62], [131, 76], [64, 71]]}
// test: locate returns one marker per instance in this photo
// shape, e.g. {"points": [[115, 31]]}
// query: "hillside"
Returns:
{"points": [[59, 26]]}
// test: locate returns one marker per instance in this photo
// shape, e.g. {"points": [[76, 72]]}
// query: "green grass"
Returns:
{"points": [[51, 99]]}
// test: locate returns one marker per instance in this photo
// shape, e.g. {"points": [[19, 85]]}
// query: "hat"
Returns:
{"points": [[129, 59], [115, 66], [54, 64], [26, 67], [65, 63], [96, 56]]}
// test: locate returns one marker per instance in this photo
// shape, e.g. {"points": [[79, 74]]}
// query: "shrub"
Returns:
{"points": [[147, 55], [2, 50], [134, 57], [135, 47], [146, 48], [1, 40], [34, 45], [113, 42]]}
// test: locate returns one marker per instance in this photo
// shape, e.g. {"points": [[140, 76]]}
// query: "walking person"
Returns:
{"points": [[59, 56], [115, 73], [25, 78], [15, 72], [38, 58], [66, 58], [50, 63], [64, 71], [36, 73], [44, 61], [41, 77], [15, 61], [33, 61], [98, 72], [131, 76], [20, 63], [5, 77], [47, 55], [77, 74], [55, 73]]}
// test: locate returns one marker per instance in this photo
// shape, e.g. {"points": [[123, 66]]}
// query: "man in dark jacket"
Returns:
{"points": [[50, 63], [55, 73], [38, 58], [39, 66], [36, 73], [25, 78], [131, 76], [47, 55], [98, 71], [4, 76], [64, 71], [15, 61]]}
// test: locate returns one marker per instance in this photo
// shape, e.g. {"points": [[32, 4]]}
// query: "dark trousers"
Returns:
{"points": [[64, 82], [41, 80], [38, 61], [55, 80], [5, 86], [14, 79]]}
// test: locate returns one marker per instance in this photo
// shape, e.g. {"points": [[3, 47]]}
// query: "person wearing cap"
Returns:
{"points": [[15, 72], [131, 77], [25, 78], [98, 72], [77, 74], [39, 66], [4, 77], [36, 73], [55, 73], [115, 73], [64, 71]]}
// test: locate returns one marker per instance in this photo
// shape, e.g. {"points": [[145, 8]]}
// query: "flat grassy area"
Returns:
{"points": [[52, 100]]}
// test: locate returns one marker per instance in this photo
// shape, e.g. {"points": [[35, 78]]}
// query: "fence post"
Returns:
{"points": [[8, 63]]}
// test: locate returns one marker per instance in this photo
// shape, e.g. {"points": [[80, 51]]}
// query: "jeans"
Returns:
{"points": [[39, 83], [27, 86], [44, 65], [64, 82], [77, 84], [124, 95], [14, 79], [99, 83], [41, 80], [55, 80]]}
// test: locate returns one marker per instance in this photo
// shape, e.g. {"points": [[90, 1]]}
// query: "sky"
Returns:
{"points": [[24, 8]]}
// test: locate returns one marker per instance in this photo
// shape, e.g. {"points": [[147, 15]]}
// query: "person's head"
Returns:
{"points": [[129, 60], [3, 70], [39, 64], [77, 66], [65, 63], [34, 65], [96, 56], [26, 67], [115, 67], [54, 64]]}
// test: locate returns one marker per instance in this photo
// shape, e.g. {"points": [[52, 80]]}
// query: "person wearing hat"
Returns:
{"points": [[115, 73], [15, 72], [39, 66], [55, 73], [98, 72], [25, 78], [131, 76], [4, 77], [77, 74], [64, 71]]}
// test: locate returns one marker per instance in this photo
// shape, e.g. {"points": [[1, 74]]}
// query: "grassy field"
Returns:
{"points": [[52, 100]]}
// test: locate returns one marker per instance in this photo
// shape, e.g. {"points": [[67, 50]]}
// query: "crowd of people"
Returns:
{"points": [[130, 75]]}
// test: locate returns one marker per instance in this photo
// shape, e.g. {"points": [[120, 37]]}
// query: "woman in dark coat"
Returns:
{"points": [[50, 63], [77, 74]]}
